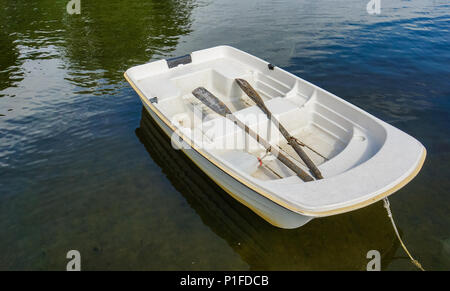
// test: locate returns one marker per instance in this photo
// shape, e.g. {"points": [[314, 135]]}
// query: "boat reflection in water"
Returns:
{"points": [[333, 243]]}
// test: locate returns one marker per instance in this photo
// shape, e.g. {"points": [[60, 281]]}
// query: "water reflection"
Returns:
{"points": [[335, 243], [111, 36], [96, 46], [8, 60]]}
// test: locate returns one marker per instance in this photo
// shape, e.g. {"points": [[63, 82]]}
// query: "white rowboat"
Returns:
{"points": [[362, 159]]}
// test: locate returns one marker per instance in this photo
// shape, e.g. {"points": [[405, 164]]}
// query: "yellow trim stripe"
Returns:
{"points": [[261, 191]]}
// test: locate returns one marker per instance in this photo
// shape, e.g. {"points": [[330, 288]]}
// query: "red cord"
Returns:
{"points": [[260, 161]]}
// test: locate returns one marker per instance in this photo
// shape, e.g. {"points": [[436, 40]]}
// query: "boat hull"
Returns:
{"points": [[263, 207], [362, 158]]}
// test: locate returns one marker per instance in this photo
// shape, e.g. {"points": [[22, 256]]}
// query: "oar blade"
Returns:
{"points": [[211, 101], [248, 89]]}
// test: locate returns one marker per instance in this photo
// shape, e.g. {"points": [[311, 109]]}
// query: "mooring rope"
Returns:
{"points": [[388, 209]]}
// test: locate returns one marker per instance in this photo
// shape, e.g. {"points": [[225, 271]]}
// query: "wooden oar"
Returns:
{"points": [[220, 108], [248, 89]]}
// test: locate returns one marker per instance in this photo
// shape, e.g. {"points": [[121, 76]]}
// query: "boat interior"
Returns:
{"points": [[336, 135]]}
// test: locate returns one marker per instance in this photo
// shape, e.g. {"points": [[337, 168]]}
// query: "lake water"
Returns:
{"points": [[82, 166]]}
